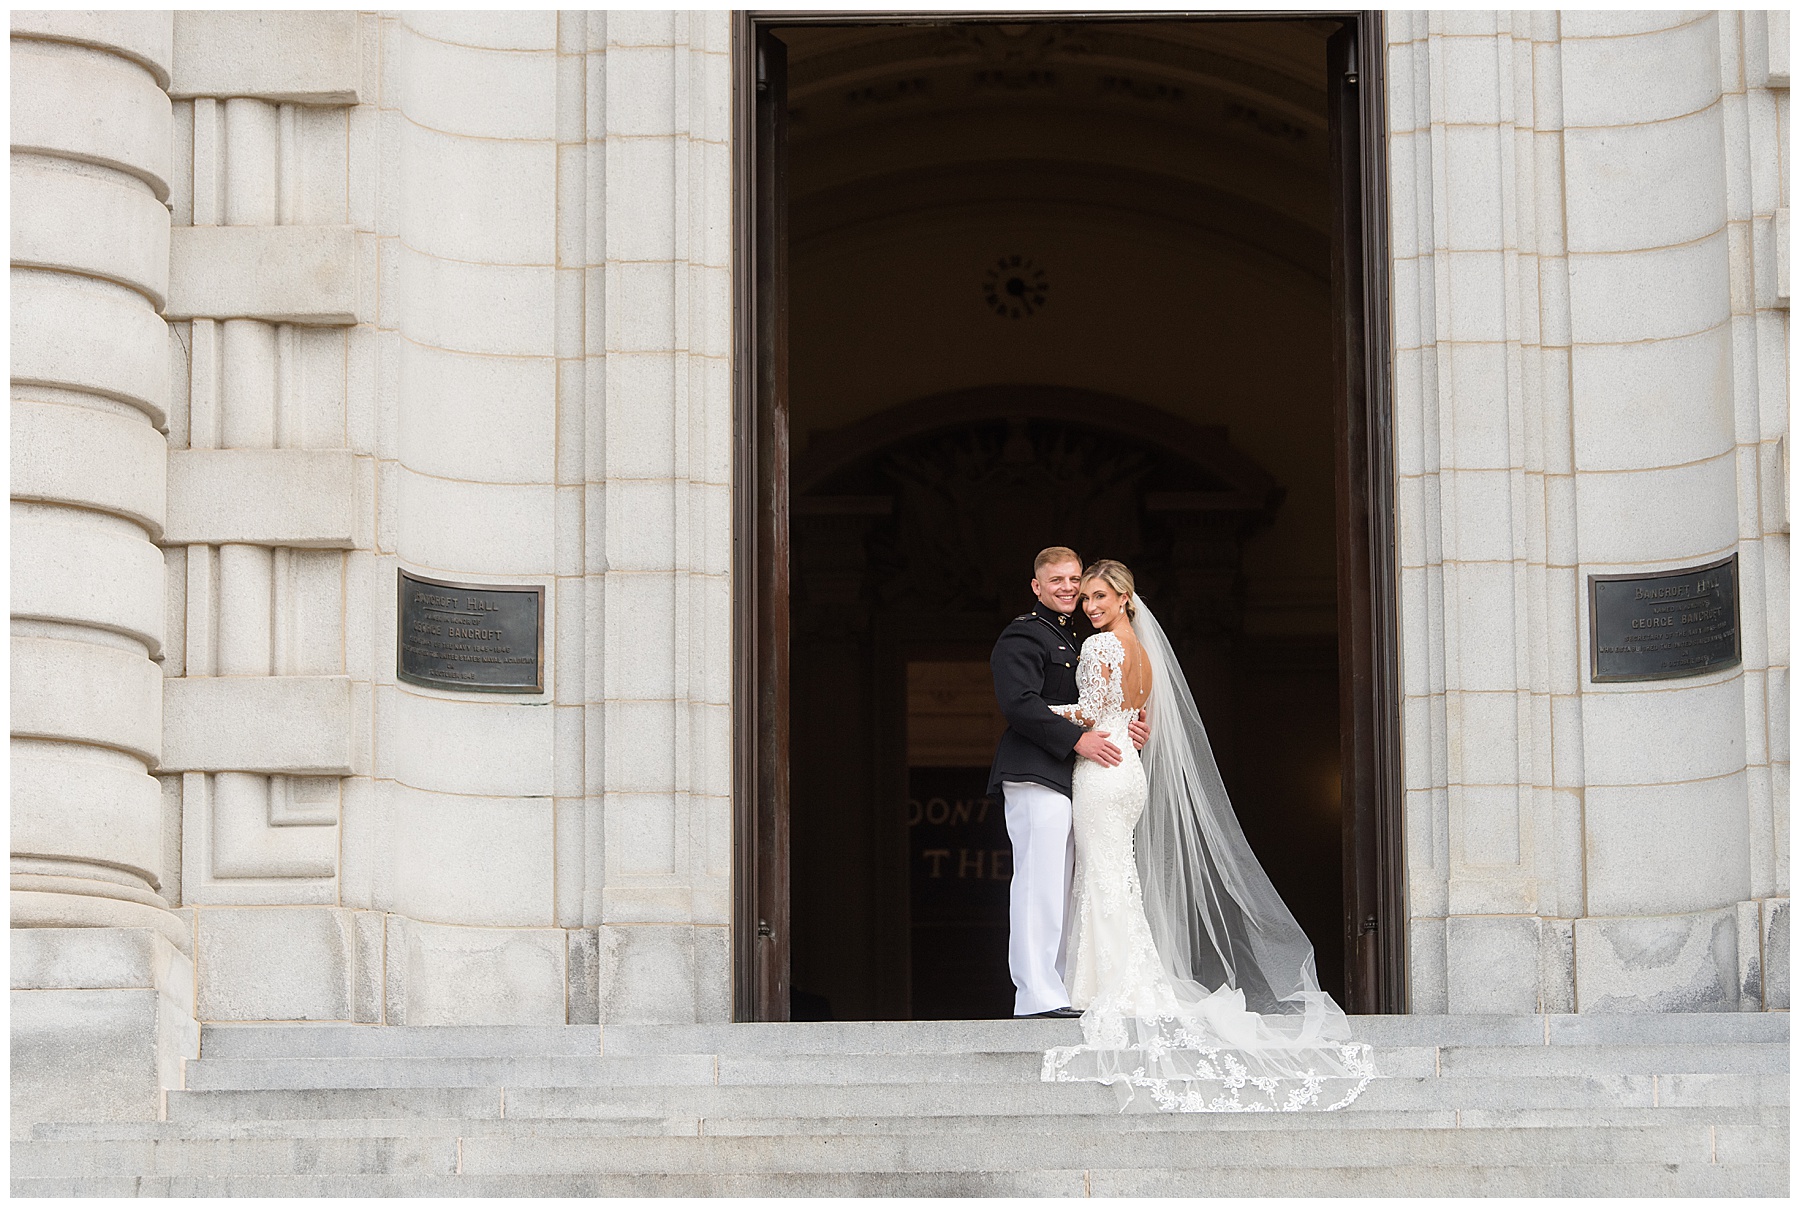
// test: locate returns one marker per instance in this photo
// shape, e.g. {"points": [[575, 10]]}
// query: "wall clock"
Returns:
{"points": [[1016, 287]]}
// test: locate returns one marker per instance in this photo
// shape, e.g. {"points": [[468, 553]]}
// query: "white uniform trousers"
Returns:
{"points": [[1039, 822]]}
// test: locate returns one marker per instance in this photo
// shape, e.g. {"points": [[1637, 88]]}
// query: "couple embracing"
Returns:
{"points": [[1136, 901]]}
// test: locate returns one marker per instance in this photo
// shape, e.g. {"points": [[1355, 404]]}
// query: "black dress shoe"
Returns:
{"points": [[1054, 1013]]}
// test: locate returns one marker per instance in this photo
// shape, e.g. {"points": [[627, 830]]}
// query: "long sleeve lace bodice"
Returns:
{"points": [[1100, 684]]}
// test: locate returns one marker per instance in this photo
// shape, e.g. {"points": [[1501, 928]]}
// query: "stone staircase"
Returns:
{"points": [[1469, 1105]]}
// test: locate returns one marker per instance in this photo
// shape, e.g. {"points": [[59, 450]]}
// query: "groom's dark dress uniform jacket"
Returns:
{"points": [[1034, 668]]}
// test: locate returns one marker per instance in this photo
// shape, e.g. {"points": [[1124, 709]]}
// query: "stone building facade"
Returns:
{"points": [[301, 300], [1589, 225]]}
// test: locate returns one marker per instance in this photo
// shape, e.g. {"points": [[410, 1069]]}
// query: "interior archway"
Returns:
{"points": [[913, 535]]}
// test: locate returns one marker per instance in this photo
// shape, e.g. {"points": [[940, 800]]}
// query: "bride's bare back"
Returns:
{"points": [[1135, 671], [1106, 598], [1108, 653]]}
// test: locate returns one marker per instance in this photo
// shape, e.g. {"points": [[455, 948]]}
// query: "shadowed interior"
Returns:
{"points": [[1050, 283]]}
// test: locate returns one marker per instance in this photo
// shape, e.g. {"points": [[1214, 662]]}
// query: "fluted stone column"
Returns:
{"points": [[102, 978]]}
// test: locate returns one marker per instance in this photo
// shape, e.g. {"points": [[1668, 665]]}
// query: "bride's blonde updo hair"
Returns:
{"points": [[1117, 576]]}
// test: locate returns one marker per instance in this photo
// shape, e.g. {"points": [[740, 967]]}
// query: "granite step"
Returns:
{"points": [[1023, 1149], [1425, 1093], [1016, 1034], [1571, 1179], [1532, 1105], [348, 1040], [1449, 1061], [163, 1131], [268, 1041]]}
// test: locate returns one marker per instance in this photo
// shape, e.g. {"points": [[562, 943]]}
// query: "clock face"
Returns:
{"points": [[1016, 287]]}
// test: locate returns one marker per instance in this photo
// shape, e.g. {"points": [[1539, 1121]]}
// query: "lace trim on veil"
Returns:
{"points": [[1185, 1068], [1267, 1038]]}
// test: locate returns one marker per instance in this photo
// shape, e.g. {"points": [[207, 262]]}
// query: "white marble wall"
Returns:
{"points": [[1590, 377], [451, 292], [554, 408], [525, 380]]}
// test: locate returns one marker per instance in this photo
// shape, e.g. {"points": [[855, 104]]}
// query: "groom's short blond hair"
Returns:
{"points": [[1053, 556]]}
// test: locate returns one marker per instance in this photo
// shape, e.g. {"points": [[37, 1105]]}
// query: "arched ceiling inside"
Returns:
{"points": [[1159, 188], [1216, 125]]}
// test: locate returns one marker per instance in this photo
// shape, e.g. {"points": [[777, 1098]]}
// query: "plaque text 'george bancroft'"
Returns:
{"points": [[1646, 627], [477, 638]]}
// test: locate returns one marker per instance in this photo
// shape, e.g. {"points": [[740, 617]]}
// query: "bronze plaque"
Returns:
{"points": [[1662, 626], [472, 637]]}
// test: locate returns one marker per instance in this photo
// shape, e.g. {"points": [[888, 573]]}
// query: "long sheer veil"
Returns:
{"points": [[1213, 913]]}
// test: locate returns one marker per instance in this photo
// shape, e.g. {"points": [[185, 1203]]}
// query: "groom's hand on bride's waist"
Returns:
{"points": [[1093, 745], [1140, 730]]}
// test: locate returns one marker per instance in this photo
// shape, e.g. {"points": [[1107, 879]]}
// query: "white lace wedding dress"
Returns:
{"points": [[1144, 1026]]}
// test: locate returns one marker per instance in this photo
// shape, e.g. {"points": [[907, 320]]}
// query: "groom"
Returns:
{"points": [[1034, 668]]}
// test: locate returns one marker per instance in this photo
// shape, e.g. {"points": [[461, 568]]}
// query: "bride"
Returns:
{"points": [[1196, 984]]}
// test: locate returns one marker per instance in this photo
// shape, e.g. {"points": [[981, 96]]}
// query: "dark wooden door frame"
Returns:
{"points": [[760, 552], [1375, 972], [1374, 855]]}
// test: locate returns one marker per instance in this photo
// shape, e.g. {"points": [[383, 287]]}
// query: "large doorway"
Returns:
{"points": [[1009, 285]]}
